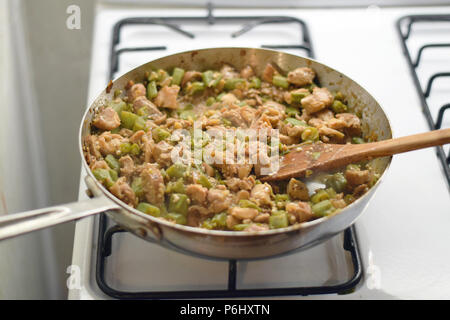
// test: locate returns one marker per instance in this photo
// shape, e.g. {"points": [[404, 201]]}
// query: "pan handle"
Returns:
{"points": [[13, 225]]}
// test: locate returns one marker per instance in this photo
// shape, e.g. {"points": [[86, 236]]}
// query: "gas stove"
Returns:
{"points": [[394, 250]]}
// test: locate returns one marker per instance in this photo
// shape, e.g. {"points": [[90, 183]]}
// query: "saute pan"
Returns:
{"points": [[214, 243]]}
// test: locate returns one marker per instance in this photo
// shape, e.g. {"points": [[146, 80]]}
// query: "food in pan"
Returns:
{"points": [[133, 146]]}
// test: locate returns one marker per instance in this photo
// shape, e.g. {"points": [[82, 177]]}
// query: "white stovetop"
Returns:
{"points": [[404, 234]]}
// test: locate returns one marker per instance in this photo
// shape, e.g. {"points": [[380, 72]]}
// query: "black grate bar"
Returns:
{"points": [[441, 115], [421, 18], [427, 46], [431, 80], [410, 20]]}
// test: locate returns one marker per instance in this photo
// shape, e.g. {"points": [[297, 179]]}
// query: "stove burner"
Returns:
{"points": [[105, 237]]}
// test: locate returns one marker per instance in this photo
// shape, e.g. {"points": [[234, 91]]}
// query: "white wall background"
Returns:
{"points": [[44, 69]]}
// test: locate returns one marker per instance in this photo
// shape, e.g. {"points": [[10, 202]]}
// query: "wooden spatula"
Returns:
{"points": [[322, 156]]}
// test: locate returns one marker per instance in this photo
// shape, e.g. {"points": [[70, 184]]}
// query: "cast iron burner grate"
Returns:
{"points": [[106, 234], [407, 23]]}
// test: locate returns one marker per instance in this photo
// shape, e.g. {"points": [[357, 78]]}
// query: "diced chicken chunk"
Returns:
{"points": [[106, 119], [318, 100], [126, 166], [143, 102], [136, 90], [167, 97], [190, 76], [301, 76], [153, 184], [123, 191], [356, 177], [268, 73], [247, 72], [352, 123], [261, 194], [219, 200], [301, 210], [244, 213], [197, 193]]}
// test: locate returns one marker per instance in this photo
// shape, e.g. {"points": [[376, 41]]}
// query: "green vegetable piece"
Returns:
{"points": [[159, 134], [207, 224], [291, 112], [117, 93], [208, 78], [195, 87], [139, 124], [112, 162], [135, 149], [178, 203], [227, 122], [177, 76], [118, 105], [147, 208], [349, 198], [137, 186], [255, 82], [176, 170], [295, 122], [277, 221], [297, 96], [104, 176], [187, 115], [322, 208], [240, 227], [281, 197], [319, 196], [357, 140], [233, 83], [249, 204], [177, 217], [204, 181], [219, 220], [310, 134], [152, 90], [113, 174], [338, 107], [125, 148], [210, 101], [153, 76], [280, 81], [176, 187], [127, 119], [337, 181], [339, 96]]}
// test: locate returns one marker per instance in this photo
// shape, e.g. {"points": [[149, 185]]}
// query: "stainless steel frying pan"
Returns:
{"points": [[213, 243]]}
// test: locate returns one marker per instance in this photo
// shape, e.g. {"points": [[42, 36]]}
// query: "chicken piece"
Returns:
{"points": [[301, 210], [360, 190], [208, 169], [199, 210], [247, 72], [162, 153], [148, 146], [109, 143], [320, 99], [235, 117], [137, 137], [248, 114], [328, 132], [106, 119], [352, 123], [338, 203], [93, 148], [228, 72], [123, 191], [261, 194], [219, 200], [136, 90], [124, 132], [190, 76], [167, 97], [236, 184], [297, 190], [243, 213], [232, 221], [242, 195], [325, 115], [99, 165], [197, 193], [262, 217], [301, 76], [143, 102], [153, 184], [240, 170], [229, 99], [268, 73], [356, 177], [126, 166]]}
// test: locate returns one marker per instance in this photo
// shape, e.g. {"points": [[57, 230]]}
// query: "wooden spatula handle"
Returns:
{"points": [[408, 143]]}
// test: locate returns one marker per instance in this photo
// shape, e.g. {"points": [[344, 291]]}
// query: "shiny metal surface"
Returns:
{"points": [[234, 244]]}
